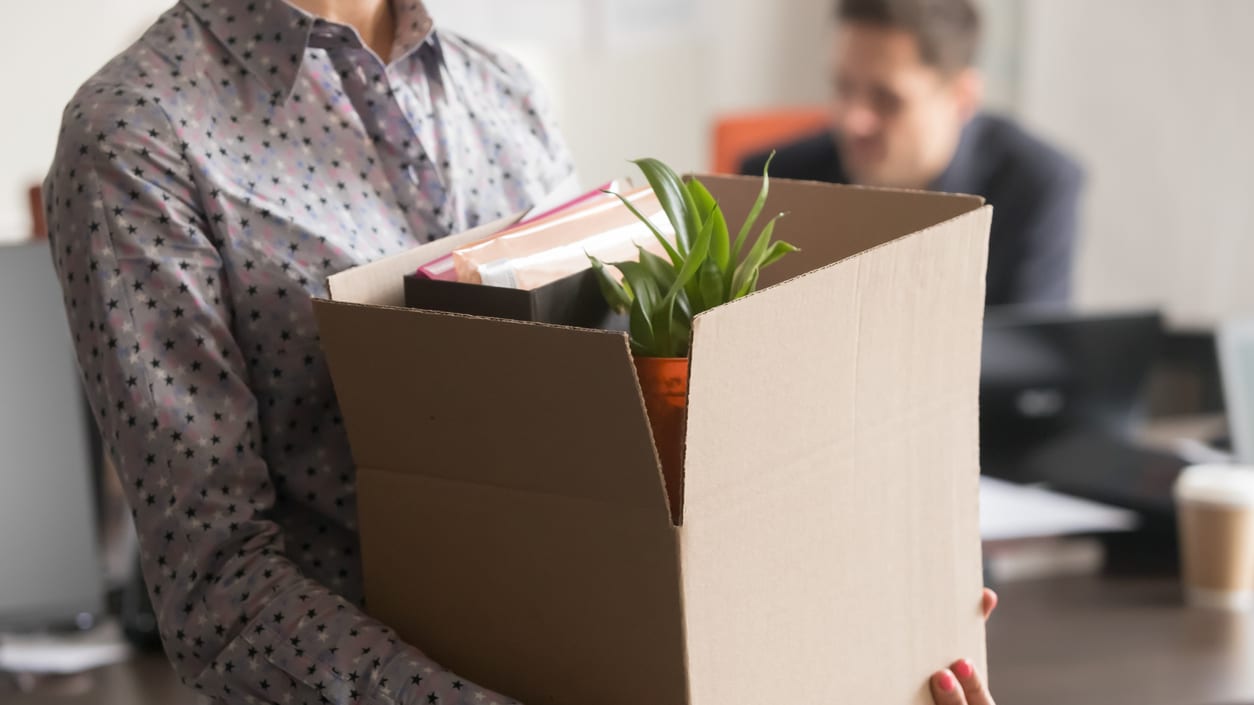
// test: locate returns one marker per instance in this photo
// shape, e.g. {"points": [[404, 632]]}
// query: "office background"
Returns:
{"points": [[1150, 95]]}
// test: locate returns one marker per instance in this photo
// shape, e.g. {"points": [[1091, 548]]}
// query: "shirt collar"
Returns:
{"points": [[269, 37], [414, 27]]}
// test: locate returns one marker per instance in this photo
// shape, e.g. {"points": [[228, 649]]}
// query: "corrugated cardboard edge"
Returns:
{"points": [[370, 293], [979, 206], [979, 209], [358, 332], [703, 567], [368, 348], [615, 575]]}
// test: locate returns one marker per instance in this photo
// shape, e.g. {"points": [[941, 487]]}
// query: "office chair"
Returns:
{"points": [[739, 136]]}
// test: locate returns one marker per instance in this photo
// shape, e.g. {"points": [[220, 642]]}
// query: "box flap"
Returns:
{"points": [[866, 373], [381, 282], [830, 222], [883, 275], [548, 599], [517, 405]]}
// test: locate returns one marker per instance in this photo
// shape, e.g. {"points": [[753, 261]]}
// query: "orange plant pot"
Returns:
{"points": [[664, 383]]}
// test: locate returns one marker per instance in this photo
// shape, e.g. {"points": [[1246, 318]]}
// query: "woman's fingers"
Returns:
{"points": [[960, 684], [946, 690], [990, 602], [970, 683]]}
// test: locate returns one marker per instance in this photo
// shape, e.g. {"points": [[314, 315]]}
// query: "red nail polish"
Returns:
{"points": [[963, 669], [945, 681]]}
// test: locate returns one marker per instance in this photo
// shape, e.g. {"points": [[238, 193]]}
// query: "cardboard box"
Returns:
{"points": [[575, 300], [512, 512]]}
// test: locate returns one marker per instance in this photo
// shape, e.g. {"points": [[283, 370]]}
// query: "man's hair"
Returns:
{"points": [[947, 31]]}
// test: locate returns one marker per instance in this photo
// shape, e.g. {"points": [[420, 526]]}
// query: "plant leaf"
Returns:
{"points": [[684, 304], [681, 336], [664, 274], [641, 329], [661, 270], [678, 328], [777, 251], [746, 270], [675, 200], [710, 281], [754, 212], [666, 244], [664, 320], [695, 257], [615, 295], [641, 283], [720, 241], [643, 325]]}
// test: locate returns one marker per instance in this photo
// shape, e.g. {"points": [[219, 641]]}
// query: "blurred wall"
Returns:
{"points": [[1156, 98], [49, 49], [648, 77], [1150, 94], [629, 77], [637, 78]]}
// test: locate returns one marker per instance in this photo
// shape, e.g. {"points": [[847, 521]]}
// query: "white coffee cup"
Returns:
{"points": [[1215, 511]]}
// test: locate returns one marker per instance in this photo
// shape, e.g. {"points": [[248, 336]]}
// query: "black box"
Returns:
{"points": [[575, 300]]}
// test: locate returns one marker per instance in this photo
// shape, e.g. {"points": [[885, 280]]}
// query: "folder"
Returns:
{"points": [[443, 269]]}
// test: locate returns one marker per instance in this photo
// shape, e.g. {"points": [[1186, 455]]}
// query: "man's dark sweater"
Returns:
{"points": [[1034, 190]]}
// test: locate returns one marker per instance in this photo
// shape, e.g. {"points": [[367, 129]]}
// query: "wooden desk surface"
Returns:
{"points": [[145, 680], [1082, 641], [1096, 641]]}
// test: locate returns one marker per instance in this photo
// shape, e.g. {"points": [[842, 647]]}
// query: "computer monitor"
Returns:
{"points": [[50, 569], [1045, 373], [1235, 341]]}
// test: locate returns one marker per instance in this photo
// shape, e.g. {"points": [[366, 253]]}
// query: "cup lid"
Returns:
{"points": [[1232, 485]]}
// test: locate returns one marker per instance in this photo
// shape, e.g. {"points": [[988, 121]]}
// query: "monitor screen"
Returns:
{"points": [[1048, 373], [1236, 361], [50, 570]]}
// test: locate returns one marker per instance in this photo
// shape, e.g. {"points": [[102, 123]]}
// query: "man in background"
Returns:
{"points": [[906, 114]]}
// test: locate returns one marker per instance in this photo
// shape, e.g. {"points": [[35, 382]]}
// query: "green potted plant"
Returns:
{"points": [[704, 268]]}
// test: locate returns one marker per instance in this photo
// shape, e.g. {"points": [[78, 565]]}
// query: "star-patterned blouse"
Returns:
{"points": [[207, 182]]}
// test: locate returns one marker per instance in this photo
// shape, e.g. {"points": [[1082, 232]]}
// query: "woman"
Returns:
{"points": [[207, 182]]}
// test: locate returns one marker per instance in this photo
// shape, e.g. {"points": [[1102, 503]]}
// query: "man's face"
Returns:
{"points": [[897, 120]]}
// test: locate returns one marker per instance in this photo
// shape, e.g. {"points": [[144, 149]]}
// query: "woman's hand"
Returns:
{"points": [[960, 684], [990, 603]]}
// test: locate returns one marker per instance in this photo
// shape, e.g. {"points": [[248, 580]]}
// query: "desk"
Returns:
{"points": [[1091, 641], [1076, 641], [145, 680]]}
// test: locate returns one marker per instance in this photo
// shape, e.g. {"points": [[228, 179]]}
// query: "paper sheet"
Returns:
{"points": [[1009, 511], [63, 654]]}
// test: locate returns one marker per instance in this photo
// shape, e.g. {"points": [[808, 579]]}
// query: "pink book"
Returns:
{"points": [[569, 237], [444, 268]]}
